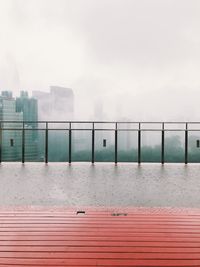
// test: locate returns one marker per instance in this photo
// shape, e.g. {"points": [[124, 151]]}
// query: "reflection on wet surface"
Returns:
{"points": [[82, 184]]}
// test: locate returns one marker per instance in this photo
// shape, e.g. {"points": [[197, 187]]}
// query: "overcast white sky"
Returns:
{"points": [[140, 58]]}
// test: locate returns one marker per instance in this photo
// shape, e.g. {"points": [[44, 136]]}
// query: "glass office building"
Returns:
{"points": [[11, 140]]}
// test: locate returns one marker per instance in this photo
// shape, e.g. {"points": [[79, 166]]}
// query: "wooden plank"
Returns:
{"points": [[98, 255], [108, 249], [98, 225], [97, 222], [99, 229], [98, 233], [100, 243], [101, 238], [100, 262], [97, 214]]}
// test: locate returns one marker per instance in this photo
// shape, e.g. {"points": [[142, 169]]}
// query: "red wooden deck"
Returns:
{"points": [[60, 237]]}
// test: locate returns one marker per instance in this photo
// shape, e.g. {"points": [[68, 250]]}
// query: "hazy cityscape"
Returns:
{"points": [[59, 103]]}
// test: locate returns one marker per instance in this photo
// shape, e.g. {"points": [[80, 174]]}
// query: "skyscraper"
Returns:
{"points": [[27, 105], [13, 110], [11, 140], [58, 104]]}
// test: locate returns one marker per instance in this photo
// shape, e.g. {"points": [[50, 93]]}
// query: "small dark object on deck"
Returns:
{"points": [[119, 214], [82, 212]]}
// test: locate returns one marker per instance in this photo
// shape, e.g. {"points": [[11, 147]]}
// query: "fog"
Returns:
{"points": [[136, 60]]}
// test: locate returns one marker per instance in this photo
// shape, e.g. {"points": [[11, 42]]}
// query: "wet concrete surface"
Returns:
{"points": [[102, 184]]}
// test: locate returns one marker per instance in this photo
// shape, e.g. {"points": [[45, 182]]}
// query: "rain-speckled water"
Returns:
{"points": [[104, 184]]}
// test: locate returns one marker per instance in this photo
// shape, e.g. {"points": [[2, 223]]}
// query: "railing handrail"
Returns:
{"points": [[93, 125], [93, 121]]}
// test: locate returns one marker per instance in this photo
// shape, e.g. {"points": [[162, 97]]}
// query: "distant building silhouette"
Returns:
{"points": [[58, 104]]}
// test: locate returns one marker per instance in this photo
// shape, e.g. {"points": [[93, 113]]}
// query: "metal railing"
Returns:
{"points": [[95, 126]]}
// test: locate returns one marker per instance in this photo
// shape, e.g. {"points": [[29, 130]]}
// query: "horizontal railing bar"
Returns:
{"points": [[97, 129], [105, 122]]}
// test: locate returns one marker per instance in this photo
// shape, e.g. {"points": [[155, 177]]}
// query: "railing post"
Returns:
{"points": [[93, 144], [116, 159], [139, 144], [0, 142], [23, 144], [70, 143], [46, 143], [186, 143], [163, 144]]}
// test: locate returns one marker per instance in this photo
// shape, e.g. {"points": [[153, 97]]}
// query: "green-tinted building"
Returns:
{"points": [[11, 109], [29, 107], [11, 140]]}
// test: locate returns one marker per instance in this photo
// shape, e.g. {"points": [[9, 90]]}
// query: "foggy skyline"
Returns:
{"points": [[140, 59]]}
